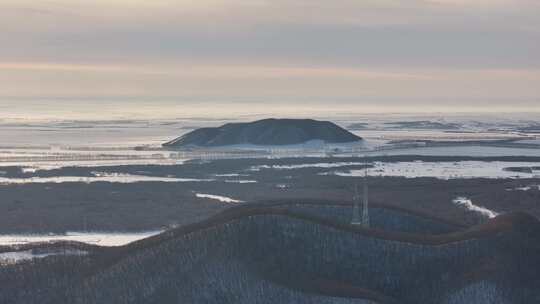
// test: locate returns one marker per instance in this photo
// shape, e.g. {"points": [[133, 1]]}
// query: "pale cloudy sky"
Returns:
{"points": [[362, 55]]}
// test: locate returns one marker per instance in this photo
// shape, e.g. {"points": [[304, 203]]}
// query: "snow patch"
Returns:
{"points": [[220, 198], [230, 175], [241, 181], [20, 256], [445, 170], [95, 238], [302, 166], [98, 177], [467, 203], [29, 170]]}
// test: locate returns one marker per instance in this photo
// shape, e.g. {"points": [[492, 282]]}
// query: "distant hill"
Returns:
{"points": [[266, 132], [295, 253]]}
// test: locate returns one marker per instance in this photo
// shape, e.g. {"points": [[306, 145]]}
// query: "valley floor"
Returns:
{"points": [[138, 198]]}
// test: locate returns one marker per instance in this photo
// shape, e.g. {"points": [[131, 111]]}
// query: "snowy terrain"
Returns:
{"points": [[60, 143], [463, 150], [302, 166], [96, 238], [19, 256], [98, 177], [446, 170], [220, 198]]}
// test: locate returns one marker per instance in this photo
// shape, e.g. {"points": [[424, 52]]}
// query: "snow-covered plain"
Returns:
{"points": [[32, 159], [98, 177], [56, 143], [302, 166], [446, 170], [463, 150], [96, 238]]}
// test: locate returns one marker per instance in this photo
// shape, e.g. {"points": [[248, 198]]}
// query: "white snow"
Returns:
{"points": [[240, 181], [33, 159], [29, 170], [33, 166], [96, 238], [230, 175], [467, 203], [220, 198], [98, 177], [302, 166], [446, 170], [465, 150], [19, 256]]}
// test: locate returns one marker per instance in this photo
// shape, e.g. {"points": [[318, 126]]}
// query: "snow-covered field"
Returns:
{"points": [[58, 157], [463, 151], [446, 170], [98, 177], [96, 238], [302, 166]]}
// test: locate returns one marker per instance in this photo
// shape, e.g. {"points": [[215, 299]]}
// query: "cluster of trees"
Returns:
{"points": [[264, 256]]}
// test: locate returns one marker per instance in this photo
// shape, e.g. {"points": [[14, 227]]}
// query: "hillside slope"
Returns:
{"points": [[277, 255]]}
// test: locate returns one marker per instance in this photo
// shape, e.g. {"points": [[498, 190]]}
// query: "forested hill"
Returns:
{"points": [[266, 132], [297, 254]]}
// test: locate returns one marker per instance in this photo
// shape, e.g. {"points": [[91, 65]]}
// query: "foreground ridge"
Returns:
{"points": [[297, 253]]}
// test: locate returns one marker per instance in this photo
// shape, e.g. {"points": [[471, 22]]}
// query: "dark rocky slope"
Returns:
{"points": [[266, 132], [275, 254]]}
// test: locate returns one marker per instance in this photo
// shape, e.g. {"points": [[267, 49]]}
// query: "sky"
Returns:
{"points": [[172, 57]]}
